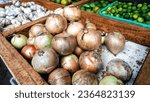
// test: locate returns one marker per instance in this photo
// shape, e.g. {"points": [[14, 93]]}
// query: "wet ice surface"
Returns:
{"points": [[4, 1], [134, 54]]}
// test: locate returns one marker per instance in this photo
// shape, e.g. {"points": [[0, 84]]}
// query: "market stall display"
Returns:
{"points": [[64, 2]]}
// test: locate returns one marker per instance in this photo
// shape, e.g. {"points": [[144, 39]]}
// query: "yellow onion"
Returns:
{"points": [[83, 77], [70, 63], [78, 51], [74, 28], [110, 80], [89, 39], [37, 30], [30, 41], [56, 23], [115, 42], [64, 44], [90, 61], [45, 60], [72, 13], [59, 11], [119, 69], [59, 76], [90, 25]]}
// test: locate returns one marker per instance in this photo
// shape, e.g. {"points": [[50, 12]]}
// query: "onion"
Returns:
{"points": [[43, 41], [115, 42], [59, 11], [90, 25], [83, 77], [56, 23], [110, 80], [37, 30], [19, 41], [64, 44], [103, 36], [70, 63], [78, 51], [90, 61], [74, 28], [28, 51], [45, 60], [119, 69], [59, 76], [89, 39], [72, 13]]}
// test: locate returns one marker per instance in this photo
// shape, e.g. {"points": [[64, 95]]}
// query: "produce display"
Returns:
{"points": [[139, 12], [64, 2], [18, 13], [94, 6], [68, 50]]}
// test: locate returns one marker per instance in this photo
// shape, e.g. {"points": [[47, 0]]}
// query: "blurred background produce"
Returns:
{"points": [[64, 2]]}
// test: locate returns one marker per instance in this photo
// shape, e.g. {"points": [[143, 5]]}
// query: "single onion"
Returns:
{"points": [[74, 28], [90, 61], [64, 44], [56, 23], [28, 51], [115, 42], [110, 80], [19, 41], [59, 11], [90, 25], [89, 39], [83, 77], [119, 69], [70, 63], [59, 76], [103, 36], [43, 41], [37, 30], [45, 60], [78, 51], [30, 41], [72, 13]]}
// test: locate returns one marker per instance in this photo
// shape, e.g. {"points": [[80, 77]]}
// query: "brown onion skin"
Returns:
{"points": [[37, 30], [72, 13], [59, 76], [115, 42], [45, 60], [90, 25], [83, 77], [78, 51], [56, 23], [90, 61], [89, 39], [74, 28], [119, 69], [70, 63], [64, 44], [28, 51]]}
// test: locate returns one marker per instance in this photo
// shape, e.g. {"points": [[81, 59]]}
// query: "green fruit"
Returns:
{"points": [[82, 8], [96, 8], [135, 16], [104, 12], [139, 5], [58, 1], [140, 19], [64, 2]]}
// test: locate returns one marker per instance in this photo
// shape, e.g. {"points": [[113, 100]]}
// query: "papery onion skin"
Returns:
{"points": [[19, 41], [83, 77], [90, 25], [115, 42], [45, 60], [89, 39], [28, 51], [70, 63], [72, 13], [30, 41], [59, 76], [56, 23], [90, 61], [74, 28], [110, 80], [119, 69], [64, 44], [43, 41], [59, 11], [37, 30], [78, 51]]}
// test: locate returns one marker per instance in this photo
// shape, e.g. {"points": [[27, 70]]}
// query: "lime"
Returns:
{"points": [[113, 11], [130, 3], [133, 8], [104, 12], [96, 8], [127, 16], [140, 19], [148, 14], [139, 5], [135, 16], [120, 9], [125, 6], [118, 15], [92, 5], [82, 8], [86, 5], [109, 8]]}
